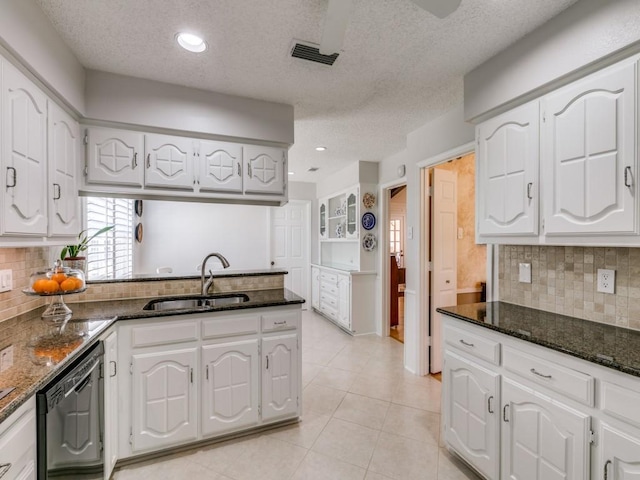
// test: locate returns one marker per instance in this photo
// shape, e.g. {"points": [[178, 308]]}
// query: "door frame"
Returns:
{"points": [[307, 245], [383, 194]]}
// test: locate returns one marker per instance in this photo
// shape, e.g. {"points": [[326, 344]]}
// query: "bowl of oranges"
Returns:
{"points": [[56, 282]]}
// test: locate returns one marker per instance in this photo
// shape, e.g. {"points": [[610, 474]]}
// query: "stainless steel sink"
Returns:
{"points": [[197, 302]]}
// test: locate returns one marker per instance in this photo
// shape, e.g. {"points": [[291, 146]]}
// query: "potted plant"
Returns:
{"points": [[70, 254]]}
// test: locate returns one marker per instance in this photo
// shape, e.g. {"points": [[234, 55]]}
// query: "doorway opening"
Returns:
{"points": [[397, 204], [457, 266]]}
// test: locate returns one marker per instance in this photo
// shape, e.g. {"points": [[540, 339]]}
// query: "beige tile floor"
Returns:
{"points": [[364, 418]]}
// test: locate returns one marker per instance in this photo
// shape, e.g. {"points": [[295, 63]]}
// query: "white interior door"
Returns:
{"points": [[290, 245], [443, 254]]}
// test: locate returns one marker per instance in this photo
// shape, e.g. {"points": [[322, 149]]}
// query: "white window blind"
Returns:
{"points": [[110, 255]]}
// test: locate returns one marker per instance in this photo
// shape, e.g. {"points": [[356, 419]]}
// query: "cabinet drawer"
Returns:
{"points": [[161, 334], [329, 311], [571, 383], [481, 347], [328, 300], [228, 326], [282, 321], [331, 288], [18, 447], [328, 277], [620, 402]]}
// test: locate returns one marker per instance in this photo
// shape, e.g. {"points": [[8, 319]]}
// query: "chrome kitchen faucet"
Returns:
{"points": [[204, 287]]}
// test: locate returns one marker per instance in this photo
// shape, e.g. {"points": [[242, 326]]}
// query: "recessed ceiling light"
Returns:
{"points": [[321, 149], [191, 42], [291, 173]]}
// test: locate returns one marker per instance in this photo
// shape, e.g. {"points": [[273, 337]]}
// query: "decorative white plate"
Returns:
{"points": [[369, 242], [340, 230], [368, 200], [368, 221]]}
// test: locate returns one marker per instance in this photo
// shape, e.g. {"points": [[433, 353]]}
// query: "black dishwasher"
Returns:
{"points": [[70, 421]]}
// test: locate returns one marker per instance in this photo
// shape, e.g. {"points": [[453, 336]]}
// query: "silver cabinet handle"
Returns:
{"points": [[267, 362], [191, 374], [529, 185], [606, 469], [627, 174], [115, 368], [4, 468], [249, 170], [489, 406], [239, 170], [134, 162], [466, 344], [56, 188], [284, 322], [148, 160], [206, 371], [535, 372], [504, 412], [14, 177]]}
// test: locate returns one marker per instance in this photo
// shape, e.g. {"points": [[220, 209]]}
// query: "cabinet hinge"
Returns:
{"points": [[592, 437], [298, 401], [544, 117], [85, 140], [430, 266], [543, 224], [191, 374], [86, 170], [259, 411], [131, 436], [131, 368]]}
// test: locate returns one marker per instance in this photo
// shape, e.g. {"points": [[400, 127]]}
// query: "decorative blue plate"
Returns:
{"points": [[368, 221]]}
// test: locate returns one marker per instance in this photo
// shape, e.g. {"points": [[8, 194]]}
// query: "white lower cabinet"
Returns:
{"points": [[230, 396], [619, 455], [280, 388], [18, 444], [111, 401], [164, 399], [315, 288], [472, 422], [542, 439]]}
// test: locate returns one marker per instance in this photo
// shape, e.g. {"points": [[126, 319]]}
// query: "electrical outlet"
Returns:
{"points": [[524, 273], [606, 280], [6, 280], [6, 358]]}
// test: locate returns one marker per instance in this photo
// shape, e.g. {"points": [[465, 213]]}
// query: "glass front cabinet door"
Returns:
{"points": [[323, 219], [352, 215]]}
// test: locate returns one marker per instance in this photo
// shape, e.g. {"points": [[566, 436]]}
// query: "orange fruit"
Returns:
{"points": [[69, 284], [50, 286], [39, 285], [59, 277], [79, 283]]}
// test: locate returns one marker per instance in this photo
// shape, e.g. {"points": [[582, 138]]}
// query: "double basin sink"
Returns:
{"points": [[195, 302]]}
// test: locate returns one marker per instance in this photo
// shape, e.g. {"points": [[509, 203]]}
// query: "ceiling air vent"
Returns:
{"points": [[312, 54], [313, 169]]}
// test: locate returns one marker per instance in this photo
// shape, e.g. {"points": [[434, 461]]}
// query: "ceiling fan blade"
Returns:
{"points": [[439, 8], [335, 26]]}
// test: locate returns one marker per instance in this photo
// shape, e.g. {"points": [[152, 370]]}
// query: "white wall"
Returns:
{"points": [[584, 33], [180, 234], [307, 191], [117, 98], [26, 33]]}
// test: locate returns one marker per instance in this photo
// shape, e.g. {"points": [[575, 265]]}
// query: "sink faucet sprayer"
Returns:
{"points": [[206, 286]]}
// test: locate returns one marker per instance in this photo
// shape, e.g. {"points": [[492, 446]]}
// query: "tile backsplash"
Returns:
{"points": [[564, 279], [23, 262]]}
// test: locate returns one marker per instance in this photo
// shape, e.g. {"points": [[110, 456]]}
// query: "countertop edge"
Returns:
{"points": [[169, 277]]}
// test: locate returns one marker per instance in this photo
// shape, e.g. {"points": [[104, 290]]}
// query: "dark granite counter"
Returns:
{"points": [[607, 345], [41, 351], [162, 277]]}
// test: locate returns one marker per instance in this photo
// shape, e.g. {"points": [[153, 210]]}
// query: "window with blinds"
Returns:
{"points": [[110, 255]]}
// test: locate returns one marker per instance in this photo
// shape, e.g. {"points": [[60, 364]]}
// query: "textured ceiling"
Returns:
{"points": [[400, 66]]}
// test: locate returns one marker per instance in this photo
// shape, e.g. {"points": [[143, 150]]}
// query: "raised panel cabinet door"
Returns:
{"points": [[344, 300], [619, 455], [24, 154], [264, 169], [590, 166], [230, 395], [472, 413], [542, 439], [64, 158], [164, 399], [114, 157], [507, 162], [111, 404], [169, 162], [279, 376], [315, 287], [220, 167]]}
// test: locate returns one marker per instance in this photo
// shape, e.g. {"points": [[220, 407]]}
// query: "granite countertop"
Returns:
{"points": [[40, 351], [607, 345], [161, 277]]}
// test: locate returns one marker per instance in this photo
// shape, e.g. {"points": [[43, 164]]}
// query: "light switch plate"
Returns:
{"points": [[524, 273], [606, 281], [6, 280]]}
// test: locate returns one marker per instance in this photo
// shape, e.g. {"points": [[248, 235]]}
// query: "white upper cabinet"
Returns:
{"points": [[169, 161], [114, 157], [589, 160], [24, 154], [220, 167], [64, 158], [507, 162], [264, 169]]}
